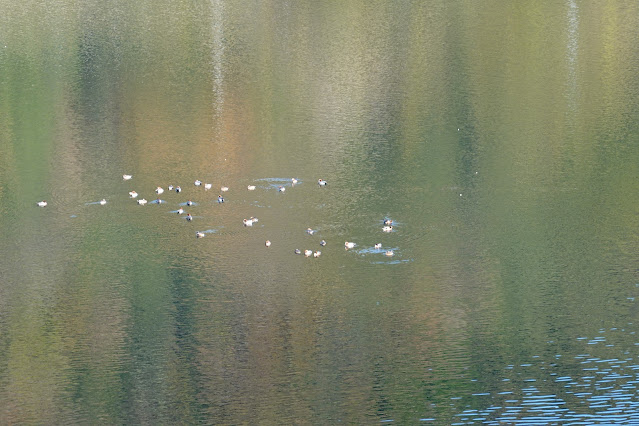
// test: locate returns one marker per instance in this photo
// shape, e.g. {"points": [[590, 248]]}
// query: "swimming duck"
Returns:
{"points": [[189, 217], [197, 182], [322, 243], [298, 251], [170, 187], [178, 189], [310, 231], [267, 243], [254, 219], [378, 245], [180, 210], [349, 245], [321, 182], [189, 203], [251, 187], [281, 189], [220, 199], [199, 234], [102, 202], [388, 222], [159, 190], [389, 253], [308, 253], [224, 188], [133, 194], [317, 254], [207, 186], [387, 228], [142, 202], [248, 222], [293, 181], [126, 177], [42, 203]]}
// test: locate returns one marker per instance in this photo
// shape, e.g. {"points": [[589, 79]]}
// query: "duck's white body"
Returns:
{"points": [[207, 186], [189, 203], [248, 222], [178, 189], [349, 245], [378, 245], [220, 199], [387, 229], [170, 187], [281, 189], [224, 188], [180, 210], [390, 253], [142, 202], [199, 234], [102, 202], [42, 203], [308, 253], [159, 190], [388, 222], [189, 217], [133, 194], [322, 243], [251, 187], [293, 181], [309, 231], [298, 251], [126, 177], [197, 182], [321, 182], [267, 243], [317, 254]]}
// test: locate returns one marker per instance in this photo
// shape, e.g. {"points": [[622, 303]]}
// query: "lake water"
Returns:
{"points": [[502, 138]]}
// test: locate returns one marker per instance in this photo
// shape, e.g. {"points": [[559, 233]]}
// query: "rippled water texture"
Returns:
{"points": [[502, 139]]}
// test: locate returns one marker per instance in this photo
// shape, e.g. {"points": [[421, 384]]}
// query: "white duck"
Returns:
{"points": [[248, 222], [281, 189], [308, 253], [389, 253], [180, 210], [189, 217], [199, 234], [349, 245], [387, 229], [224, 188], [159, 190], [251, 187], [267, 243], [378, 245], [126, 177], [207, 186], [293, 181], [133, 194], [102, 202], [142, 202], [321, 182], [197, 182], [42, 203], [317, 254]]}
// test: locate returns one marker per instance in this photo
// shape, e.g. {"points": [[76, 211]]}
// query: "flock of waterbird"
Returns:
{"points": [[388, 223]]}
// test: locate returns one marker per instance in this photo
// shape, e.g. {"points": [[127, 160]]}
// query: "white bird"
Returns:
{"points": [[388, 221], [126, 177], [133, 194], [189, 203], [254, 219], [298, 251], [281, 189], [248, 222], [207, 186], [321, 182], [199, 234], [159, 190], [389, 253], [267, 243], [180, 210], [322, 243], [102, 202], [197, 182], [317, 254], [170, 187], [224, 188], [220, 199], [142, 202], [308, 253], [251, 187], [310, 231], [293, 181], [178, 189], [42, 203], [378, 245], [189, 217], [387, 228], [349, 245]]}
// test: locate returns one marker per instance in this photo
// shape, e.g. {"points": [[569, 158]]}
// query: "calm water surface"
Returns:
{"points": [[502, 138]]}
